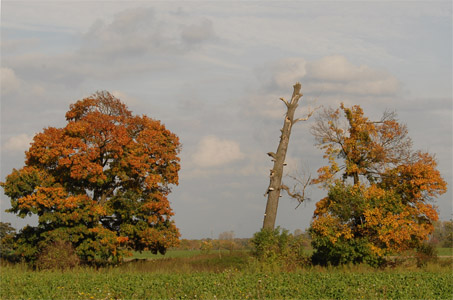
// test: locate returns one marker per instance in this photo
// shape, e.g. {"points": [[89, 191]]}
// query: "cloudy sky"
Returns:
{"points": [[213, 71]]}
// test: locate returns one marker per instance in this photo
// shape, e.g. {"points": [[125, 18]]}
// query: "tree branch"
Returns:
{"points": [[307, 117], [284, 100], [300, 197]]}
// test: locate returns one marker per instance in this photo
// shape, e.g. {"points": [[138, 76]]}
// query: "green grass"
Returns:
{"points": [[210, 263], [445, 251], [169, 254], [178, 254], [226, 276], [190, 253], [18, 283]]}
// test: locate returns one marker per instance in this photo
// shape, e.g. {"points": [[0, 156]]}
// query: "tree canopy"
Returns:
{"points": [[379, 189], [101, 183]]}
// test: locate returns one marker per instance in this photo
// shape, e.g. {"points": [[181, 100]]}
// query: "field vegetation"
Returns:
{"points": [[272, 265], [228, 275]]}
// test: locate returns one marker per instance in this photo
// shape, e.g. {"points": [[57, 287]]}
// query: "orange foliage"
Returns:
{"points": [[365, 147], [386, 204], [106, 169]]}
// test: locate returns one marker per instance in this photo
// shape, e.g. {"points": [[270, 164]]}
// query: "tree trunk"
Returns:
{"points": [[276, 173]]}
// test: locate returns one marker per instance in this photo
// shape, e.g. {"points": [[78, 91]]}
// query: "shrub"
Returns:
{"points": [[342, 251], [206, 247], [279, 246], [7, 234], [425, 253], [269, 244], [58, 255]]}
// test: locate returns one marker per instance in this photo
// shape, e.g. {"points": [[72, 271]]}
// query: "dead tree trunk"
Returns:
{"points": [[276, 173]]}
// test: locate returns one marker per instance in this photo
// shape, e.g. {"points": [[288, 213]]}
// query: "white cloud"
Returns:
{"points": [[10, 83], [213, 152], [338, 68], [331, 75], [335, 74], [19, 142], [140, 31], [134, 41], [288, 71], [131, 31]]}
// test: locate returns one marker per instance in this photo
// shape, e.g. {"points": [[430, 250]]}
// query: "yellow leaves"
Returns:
{"points": [[331, 227], [324, 175], [353, 144], [365, 148], [380, 216], [376, 250], [322, 207], [375, 192], [373, 217], [98, 210], [427, 210], [387, 203], [399, 230]]}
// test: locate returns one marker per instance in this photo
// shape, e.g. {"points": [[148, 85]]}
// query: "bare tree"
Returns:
{"points": [[227, 236], [276, 173]]}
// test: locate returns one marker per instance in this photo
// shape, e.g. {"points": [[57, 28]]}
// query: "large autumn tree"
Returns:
{"points": [[379, 189], [100, 183]]}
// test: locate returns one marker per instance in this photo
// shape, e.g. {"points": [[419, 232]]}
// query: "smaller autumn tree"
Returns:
{"points": [[7, 233], [100, 183], [379, 189]]}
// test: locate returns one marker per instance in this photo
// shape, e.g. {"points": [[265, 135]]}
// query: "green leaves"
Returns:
{"points": [[107, 171], [379, 204], [229, 284]]}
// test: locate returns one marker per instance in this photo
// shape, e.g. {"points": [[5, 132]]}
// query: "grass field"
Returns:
{"points": [[169, 254], [445, 251], [113, 284], [226, 276]]}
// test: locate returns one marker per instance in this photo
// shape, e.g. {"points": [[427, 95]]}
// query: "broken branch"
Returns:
{"points": [[307, 117], [284, 100]]}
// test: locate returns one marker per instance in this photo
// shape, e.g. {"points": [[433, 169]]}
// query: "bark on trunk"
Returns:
{"points": [[276, 173]]}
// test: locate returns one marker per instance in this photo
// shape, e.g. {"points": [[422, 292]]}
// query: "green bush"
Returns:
{"points": [[270, 244], [425, 253], [7, 234], [57, 255], [279, 246], [355, 251]]}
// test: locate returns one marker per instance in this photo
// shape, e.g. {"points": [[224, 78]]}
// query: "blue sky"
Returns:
{"points": [[213, 71]]}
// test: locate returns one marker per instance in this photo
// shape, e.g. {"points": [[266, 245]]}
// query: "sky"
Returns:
{"points": [[213, 73]]}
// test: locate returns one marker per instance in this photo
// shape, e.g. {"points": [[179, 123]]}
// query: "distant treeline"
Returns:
{"points": [[227, 241]]}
